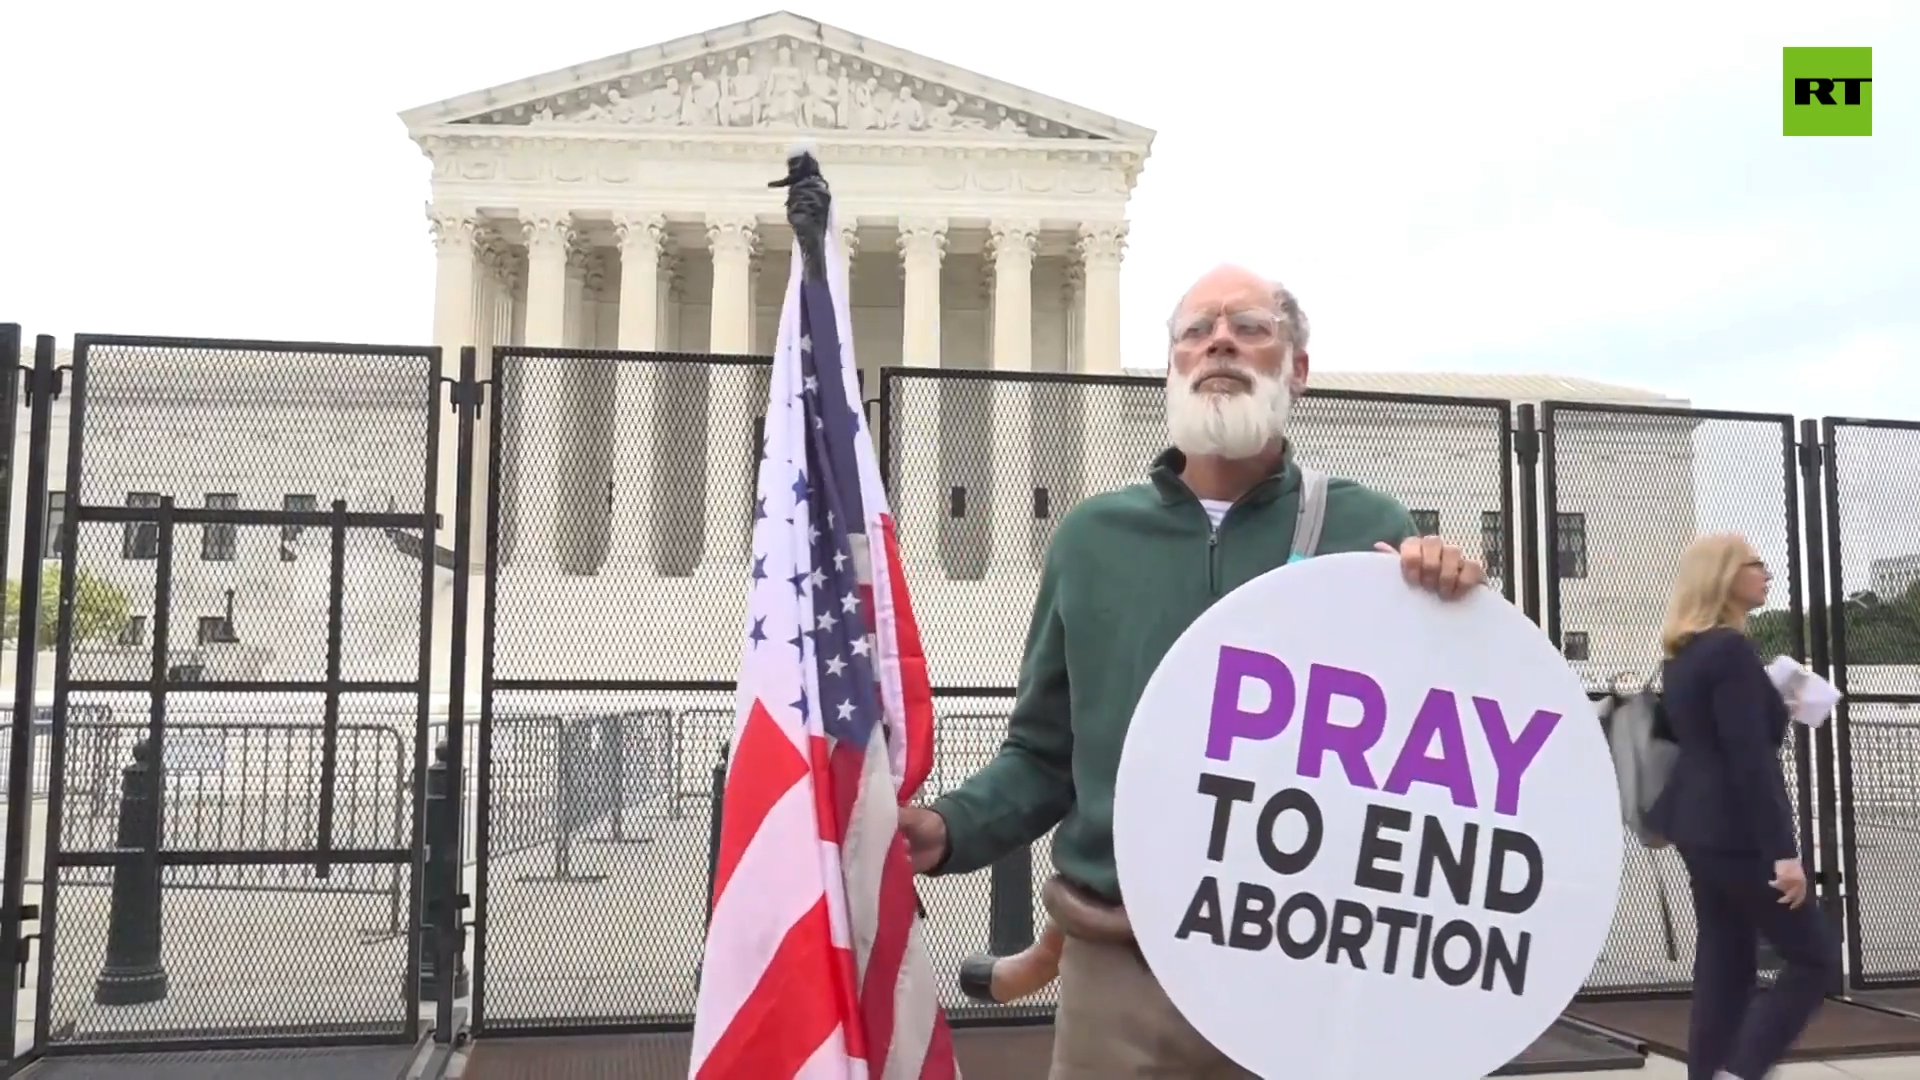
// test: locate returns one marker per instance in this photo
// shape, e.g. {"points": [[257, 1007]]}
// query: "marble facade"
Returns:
{"points": [[622, 204]]}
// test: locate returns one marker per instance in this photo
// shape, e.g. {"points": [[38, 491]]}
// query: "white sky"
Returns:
{"points": [[1470, 186]]}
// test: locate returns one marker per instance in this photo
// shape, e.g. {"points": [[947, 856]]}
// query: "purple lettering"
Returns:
{"points": [[1438, 715], [1511, 756], [1318, 735], [1229, 721]]}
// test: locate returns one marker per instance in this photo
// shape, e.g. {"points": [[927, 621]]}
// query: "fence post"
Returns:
{"points": [[1010, 903], [718, 806], [443, 831], [1526, 561], [1826, 861], [134, 974], [719, 797]]}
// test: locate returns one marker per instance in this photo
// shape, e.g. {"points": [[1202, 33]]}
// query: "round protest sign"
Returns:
{"points": [[1363, 832]]}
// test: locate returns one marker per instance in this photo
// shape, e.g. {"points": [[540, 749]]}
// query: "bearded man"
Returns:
{"points": [[1125, 575]]}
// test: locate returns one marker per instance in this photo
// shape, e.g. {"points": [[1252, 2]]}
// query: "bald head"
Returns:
{"points": [[1236, 359], [1229, 285]]}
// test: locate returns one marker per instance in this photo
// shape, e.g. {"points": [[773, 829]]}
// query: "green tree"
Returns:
{"points": [[1882, 631], [1772, 632], [1878, 631], [100, 608]]}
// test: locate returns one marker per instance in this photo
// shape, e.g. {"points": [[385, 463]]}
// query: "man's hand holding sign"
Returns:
{"points": [[1437, 566], [1376, 843]]}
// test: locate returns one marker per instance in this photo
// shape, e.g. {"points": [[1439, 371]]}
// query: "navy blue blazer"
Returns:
{"points": [[1727, 791]]}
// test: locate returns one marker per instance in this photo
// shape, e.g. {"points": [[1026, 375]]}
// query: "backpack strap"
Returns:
{"points": [[1313, 513]]}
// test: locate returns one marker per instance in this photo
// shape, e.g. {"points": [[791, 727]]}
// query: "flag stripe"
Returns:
{"points": [[895, 927], [775, 890], [940, 1064], [765, 767], [906, 682], [915, 1024], [775, 1031]]}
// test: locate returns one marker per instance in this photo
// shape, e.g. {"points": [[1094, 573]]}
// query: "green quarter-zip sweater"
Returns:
{"points": [[1126, 574]]}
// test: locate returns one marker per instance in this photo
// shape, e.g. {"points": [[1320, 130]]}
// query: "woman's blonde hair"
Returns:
{"points": [[1703, 590]]}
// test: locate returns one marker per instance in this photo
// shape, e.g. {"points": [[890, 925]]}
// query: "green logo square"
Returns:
{"points": [[1827, 91]]}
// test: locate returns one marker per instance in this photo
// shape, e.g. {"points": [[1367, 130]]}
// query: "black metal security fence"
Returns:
{"points": [[260, 552], [1624, 489], [1872, 652], [241, 660]]}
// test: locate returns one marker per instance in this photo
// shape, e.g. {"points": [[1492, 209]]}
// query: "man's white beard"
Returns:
{"points": [[1234, 426]]}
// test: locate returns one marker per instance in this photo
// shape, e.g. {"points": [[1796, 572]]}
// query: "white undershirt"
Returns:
{"points": [[1216, 509]]}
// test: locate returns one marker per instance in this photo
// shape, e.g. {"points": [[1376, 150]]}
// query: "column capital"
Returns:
{"points": [[454, 229], [1102, 241], [1012, 240], [850, 238], [1072, 278], [640, 234], [736, 236], [546, 231], [923, 235]]}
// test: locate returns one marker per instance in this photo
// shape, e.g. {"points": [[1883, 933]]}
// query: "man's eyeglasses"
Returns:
{"points": [[1253, 328]]}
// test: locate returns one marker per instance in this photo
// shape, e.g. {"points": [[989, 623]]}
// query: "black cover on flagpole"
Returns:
{"points": [[808, 201]]}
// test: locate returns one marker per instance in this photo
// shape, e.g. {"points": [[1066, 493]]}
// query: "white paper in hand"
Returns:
{"points": [[1809, 697]]}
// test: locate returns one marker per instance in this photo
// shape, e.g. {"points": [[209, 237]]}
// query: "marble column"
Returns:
{"points": [[923, 243], [548, 237], [1011, 246], [1073, 300], [1101, 245], [672, 294], [454, 234], [577, 321], [641, 238], [456, 237], [849, 249], [733, 241], [866, 378], [492, 323], [729, 412], [755, 267]]}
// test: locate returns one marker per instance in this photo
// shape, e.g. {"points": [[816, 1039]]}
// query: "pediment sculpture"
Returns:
{"points": [[782, 84]]}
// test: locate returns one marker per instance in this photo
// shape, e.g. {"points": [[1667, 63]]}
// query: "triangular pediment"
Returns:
{"points": [[780, 72]]}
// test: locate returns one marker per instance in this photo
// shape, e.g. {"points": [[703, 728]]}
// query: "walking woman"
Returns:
{"points": [[1725, 808]]}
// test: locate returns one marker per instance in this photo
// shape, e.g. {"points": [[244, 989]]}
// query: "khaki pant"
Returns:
{"points": [[1115, 1023]]}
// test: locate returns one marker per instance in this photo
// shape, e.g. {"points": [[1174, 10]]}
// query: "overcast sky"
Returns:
{"points": [[1469, 186]]}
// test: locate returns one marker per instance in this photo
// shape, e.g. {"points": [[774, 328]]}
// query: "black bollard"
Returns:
{"points": [[134, 974], [719, 798], [443, 871]]}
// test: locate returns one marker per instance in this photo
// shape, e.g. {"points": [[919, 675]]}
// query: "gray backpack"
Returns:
{"points": [[1643, 753], [1312, 515]]}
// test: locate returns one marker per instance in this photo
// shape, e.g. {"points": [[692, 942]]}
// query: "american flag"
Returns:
{"points": [[816, 963]]}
